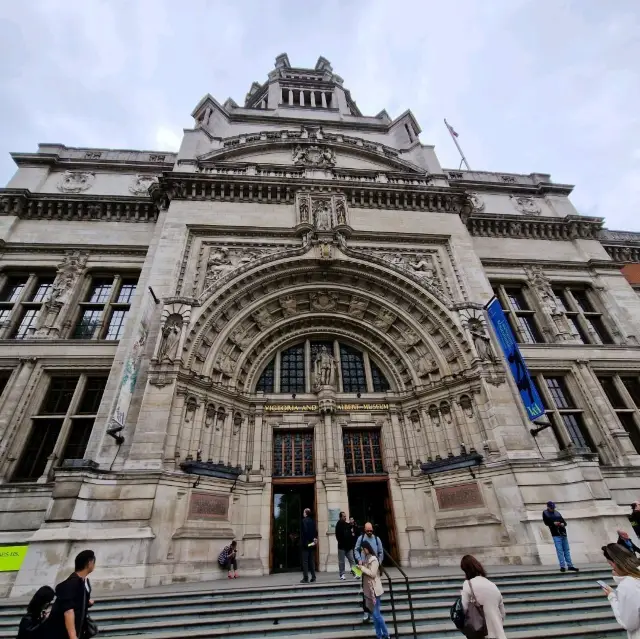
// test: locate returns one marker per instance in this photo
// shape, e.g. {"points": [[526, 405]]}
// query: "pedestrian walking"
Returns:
{"points": [[378, 550], [485, 593], [69, 618], [372, 588], [625, 599], [626, 542], [346, 543], [34, 624], [228, 559], [558, 527], [309, 541]]}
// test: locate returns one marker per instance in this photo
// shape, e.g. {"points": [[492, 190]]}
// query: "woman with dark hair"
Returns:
{"points": [[32, 625], [477, 588], [625, 599], [372, 588]]}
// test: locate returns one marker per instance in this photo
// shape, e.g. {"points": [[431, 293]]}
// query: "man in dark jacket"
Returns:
{"points": [[625, 541], [634, 518], [558, 527], [73, 599], [346, 541], [309, 540]]}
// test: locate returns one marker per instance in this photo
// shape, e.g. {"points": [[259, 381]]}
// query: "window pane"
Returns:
{"points": [[41, 442], [5, 314], [610, 390], [517, 299], [88, 322], [13, 289], [629, 424], [352, 364], [117, 324], [582, 300], [92, 395], [100, 291], [528, 329], [362, 452], [577, 433], [4, 378], [633, 387], [576, 329], [293, 454], [560, 299], [292, 374], [42, 290], [78, 438], [127, 291], [265, 383], [558, 391], [380, 383], [59, 395], [28, 320], [598, 328]]}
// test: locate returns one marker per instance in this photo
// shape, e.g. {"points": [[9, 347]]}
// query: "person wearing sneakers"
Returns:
{"points": [[346, 543], [558, 527], [228, 559]]}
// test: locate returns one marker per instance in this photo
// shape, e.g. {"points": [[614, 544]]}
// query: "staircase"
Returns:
{"points": [[539, 603]]}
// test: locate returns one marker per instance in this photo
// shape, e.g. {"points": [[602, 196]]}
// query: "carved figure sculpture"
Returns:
{"points": [[322, 215], [357, 307], [170, 338], [76, 181], [323, 301], [217, 265], [423, 268], [303, 208], [141, 184], [341, 212], [289, 305], [324, 368], [481, 340]]}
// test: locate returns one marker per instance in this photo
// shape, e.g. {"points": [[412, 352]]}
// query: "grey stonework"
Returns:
{"points": [[291, 217]]}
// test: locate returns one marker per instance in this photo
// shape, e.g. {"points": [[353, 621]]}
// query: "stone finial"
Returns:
{"points": [[323, 64], [282, 61]]}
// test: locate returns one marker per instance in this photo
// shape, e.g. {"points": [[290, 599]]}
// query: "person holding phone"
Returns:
{"points": [[625, 599], [558, 527]]}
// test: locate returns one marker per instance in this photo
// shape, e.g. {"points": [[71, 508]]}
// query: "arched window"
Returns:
{"points": [[265, 383], [380, 383], [292, 370], [354, 379]]}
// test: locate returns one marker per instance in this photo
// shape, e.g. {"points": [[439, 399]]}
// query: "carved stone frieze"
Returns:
{"points": [[419, 266], [76, 181], [384, 319], [141, 183], [323, 301]]}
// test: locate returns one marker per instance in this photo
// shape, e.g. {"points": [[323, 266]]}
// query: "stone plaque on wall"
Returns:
{"points": [[208, 507], [458, 497]]}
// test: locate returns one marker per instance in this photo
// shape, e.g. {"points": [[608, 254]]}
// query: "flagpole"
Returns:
{"points": [[453, 137]]}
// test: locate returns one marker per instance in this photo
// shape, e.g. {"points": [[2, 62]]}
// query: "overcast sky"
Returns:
{"points": [[544, 86]]}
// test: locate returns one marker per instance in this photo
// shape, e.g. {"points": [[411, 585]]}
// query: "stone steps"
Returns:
{"points": [[539, 604]]}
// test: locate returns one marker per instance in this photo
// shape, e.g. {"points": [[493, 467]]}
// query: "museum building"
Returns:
{"points": [[288, 313]]}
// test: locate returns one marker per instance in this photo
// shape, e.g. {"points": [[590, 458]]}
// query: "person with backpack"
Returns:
{"points": [[34, 624], [378, 550], [227, 559], [372, 587]]}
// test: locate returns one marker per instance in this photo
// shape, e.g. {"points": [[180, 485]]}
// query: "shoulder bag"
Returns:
{"points": [[475, 625]]}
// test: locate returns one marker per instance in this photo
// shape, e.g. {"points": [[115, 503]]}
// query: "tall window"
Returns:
{"points": [[586, 321], [514, 302], [20, 302], [353, 376], [63, 423], [265, 383], [104, 312], [623, 393], [565, 416], [362, 452], [292, 370], [293, 454], [380, 383]]}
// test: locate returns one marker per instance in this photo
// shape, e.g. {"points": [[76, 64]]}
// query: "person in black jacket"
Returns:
{"points": [[34, 624], [73, 599], [634, 518], [309, 541], [558, 527], [346, 542], [625, 541]]}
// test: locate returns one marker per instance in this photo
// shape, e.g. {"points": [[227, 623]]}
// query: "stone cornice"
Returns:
{"points": [[282, 190], [622, 246], [58, 250], [90, 208], [571, 227], [516, 183], [551, 264]]}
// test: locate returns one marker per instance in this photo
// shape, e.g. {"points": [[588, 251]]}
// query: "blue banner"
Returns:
{"points": [[519, 370]]}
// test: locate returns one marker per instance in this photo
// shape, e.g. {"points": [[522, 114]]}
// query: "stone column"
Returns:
{"points": [[397, 437], [290, 97], [313, 98], [323, 98], [331, 462], [225, 451], [429, 435], [257, 441]]}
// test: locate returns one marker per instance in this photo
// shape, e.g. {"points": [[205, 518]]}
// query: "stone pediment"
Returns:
{"points": [[308, 150]]}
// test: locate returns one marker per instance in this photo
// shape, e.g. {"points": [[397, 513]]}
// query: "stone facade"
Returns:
{"points": [[184, 335]]}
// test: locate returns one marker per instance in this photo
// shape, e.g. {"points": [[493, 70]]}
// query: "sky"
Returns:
{"points": [[546, 86]]}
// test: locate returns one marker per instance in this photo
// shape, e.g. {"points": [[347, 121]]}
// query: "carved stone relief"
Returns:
{"points": [[324, 367], [225, 365], [141, 184], [526, 205], [223, 260], [289, 305], [473, 321], [420, 265], [407, 339], [76, 181], [477, 203], [313, 155], [323, 301], [384, 319], [323, 212], [263, 318], [170, 338], [357, 307], [541, 284], [425, 366]]}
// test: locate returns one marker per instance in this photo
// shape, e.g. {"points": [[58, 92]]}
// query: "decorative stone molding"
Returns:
{"points": [[526, 205], [622, 246], [570, 228], [75, 181], [141, 184], [321, 212], [176, 315], [477, 203], [313, 155]]}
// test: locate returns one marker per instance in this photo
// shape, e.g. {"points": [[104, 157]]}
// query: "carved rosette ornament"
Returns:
{"points": [[526, 205], [76, 181], [141, 184]]}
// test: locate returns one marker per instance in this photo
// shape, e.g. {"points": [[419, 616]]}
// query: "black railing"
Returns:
{"points": [[392, 598]]}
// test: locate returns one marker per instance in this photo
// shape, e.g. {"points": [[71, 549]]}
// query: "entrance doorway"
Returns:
{"points": [[289, 502], [369, 501]]}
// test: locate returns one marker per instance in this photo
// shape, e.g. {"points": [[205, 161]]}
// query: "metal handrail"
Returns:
{"points": [[393, 605]]}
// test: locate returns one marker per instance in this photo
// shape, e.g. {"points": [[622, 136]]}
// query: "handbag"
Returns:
{"points": [[475, 625], [90, 628], [457, 614]]}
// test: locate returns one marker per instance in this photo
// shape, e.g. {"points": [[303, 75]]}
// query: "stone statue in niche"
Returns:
{"points": [[170, 338], [141, 184], [341, 212], [76, 181], [480, 339], [322, 215], [324, 368], [303, 208]]}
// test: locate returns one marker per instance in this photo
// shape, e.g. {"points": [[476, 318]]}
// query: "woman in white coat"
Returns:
{"points": [[625, 599], [486, 594]]}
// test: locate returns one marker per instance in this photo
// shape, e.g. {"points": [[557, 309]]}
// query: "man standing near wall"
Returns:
{"points": [[309, 539], [558, 527], [346, 542]]}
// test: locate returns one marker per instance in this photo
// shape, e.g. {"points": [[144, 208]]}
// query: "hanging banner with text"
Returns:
{"points": [[519, 370], [11, 557]]}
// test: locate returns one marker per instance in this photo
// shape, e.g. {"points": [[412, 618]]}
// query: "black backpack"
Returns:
{"points": [[457, 614]]}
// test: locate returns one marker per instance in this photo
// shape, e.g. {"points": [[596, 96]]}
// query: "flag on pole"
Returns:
{"points": [[451, 129], [454, 135]]}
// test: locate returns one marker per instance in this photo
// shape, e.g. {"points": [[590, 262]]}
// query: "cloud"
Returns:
{"points": [[530, 85]]}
